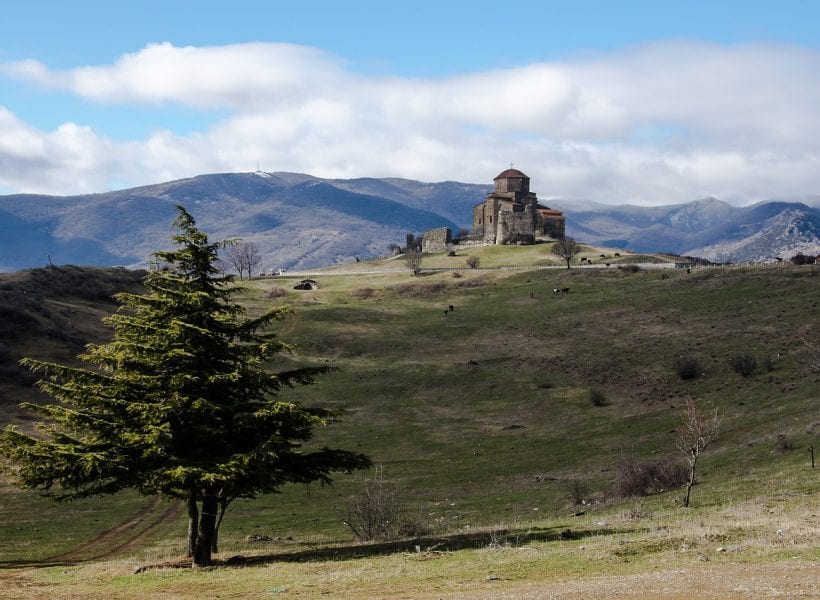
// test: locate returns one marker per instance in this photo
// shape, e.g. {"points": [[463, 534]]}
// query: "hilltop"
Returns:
{"points": [[484, 420], [303, 222]]}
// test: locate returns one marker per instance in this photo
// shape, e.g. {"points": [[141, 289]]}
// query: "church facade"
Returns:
{"points": [[511, 213]]}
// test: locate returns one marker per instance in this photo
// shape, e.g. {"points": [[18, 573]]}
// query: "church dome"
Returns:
{"points": [[510, 173]]}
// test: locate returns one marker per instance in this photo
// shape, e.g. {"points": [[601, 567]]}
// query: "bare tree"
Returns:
{"points": [[566, 248], [412, 258], [375, 512], [252, 258], [245, 257], [696, 431]]}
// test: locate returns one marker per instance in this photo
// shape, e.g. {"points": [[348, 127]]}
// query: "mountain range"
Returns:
{"points": [[299, 221]]}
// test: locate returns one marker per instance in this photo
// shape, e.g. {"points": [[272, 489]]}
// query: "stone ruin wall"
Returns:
{"points": [[436, 240], [516, 227]]}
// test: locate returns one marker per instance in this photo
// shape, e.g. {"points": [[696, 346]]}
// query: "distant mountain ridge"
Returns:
{"points": [[299, 221], [706, 228]]}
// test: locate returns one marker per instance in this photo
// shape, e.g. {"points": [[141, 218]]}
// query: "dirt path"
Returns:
{"points": [[128, 534]]}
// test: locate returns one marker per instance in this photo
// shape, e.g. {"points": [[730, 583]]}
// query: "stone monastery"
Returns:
{"points": [[511, 213]]}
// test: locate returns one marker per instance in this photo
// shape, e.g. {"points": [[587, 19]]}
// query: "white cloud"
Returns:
{"points": [[657, 123]]}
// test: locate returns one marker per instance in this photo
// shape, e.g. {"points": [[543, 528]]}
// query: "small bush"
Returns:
{"points": [[649, 477], [743, 364], [629, 268], [597, 397], [783, 444], [413, 528], [374, 513], [276, 292], [419, 290], [468, 283], [473, 262], [687, 367], [456, 275], [363, 293], [579, 491]]}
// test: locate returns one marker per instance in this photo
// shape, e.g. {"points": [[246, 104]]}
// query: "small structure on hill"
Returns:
{"points": [[306, 284], [511, 213], [436, 240]]}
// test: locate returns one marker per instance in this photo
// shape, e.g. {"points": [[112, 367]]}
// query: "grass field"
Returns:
{"points": [[483, 421]]}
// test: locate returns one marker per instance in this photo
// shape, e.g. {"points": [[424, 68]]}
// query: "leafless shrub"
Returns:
{"points": [[419, 290], [743, 364], [649, 477], [374, 513], [456, 275], [276, 292], [468, 283], [363, 293], [687, 367], [579, 491], [597, 397], [783, 444], [413, 528], [638, 512], [629, 268], [473, 261], [413, 258]]}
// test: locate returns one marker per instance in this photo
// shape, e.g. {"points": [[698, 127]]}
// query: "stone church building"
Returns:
{"points": [[511, 213]]}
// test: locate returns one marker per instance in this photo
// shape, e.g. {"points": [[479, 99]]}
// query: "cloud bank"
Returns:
{"points": [[653, 124]]}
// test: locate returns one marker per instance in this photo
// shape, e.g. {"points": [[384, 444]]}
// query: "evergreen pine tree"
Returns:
{"points": [[179, 404]]}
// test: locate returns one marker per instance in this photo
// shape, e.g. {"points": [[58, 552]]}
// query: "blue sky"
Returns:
{"points": [[641, 102]]}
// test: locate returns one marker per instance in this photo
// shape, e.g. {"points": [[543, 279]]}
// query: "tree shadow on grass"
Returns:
{"points": [[418, 545]]}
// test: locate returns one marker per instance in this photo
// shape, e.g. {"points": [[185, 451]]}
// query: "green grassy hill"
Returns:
{"points": [[52, 313], [483, 419]]}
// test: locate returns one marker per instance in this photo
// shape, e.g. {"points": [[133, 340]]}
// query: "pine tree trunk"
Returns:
{"points": [[223, 505], [193, 521], [207, 526]]}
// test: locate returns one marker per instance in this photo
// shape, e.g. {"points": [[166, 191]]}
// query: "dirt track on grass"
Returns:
{"points": [[123, 536]]}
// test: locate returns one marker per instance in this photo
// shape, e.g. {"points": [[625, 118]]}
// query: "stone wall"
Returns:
{"points": [[516, 227], [552, 227], [436, 240]]}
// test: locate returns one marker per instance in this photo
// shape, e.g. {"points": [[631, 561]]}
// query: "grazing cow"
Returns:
{"points": [[556, 291], [451, 308], [445, 312], [565, 290]]}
